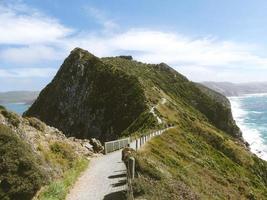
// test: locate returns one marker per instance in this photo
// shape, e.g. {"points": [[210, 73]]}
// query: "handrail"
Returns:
{"points": [[116, 145], [130, 164]]}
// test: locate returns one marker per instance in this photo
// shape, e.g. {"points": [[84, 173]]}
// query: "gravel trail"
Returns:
{"points": [[105, 179]]}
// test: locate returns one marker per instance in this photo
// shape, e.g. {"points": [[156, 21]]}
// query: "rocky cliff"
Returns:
{"points": [[88, 98], [107, 98]]}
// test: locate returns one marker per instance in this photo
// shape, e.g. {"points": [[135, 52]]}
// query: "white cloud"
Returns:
{"points": [[27, 72], [21, 25], [35, 38], [31, 54]]}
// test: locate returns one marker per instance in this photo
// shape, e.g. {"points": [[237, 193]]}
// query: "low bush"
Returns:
{"points": [[36, 123], [12, 117], [20, 175], [58, 190]]}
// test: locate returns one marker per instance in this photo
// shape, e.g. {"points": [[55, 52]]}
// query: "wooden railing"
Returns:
{"points": [[116, 145], [135, 144]]}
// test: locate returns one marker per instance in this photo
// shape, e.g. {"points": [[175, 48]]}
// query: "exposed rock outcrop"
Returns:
{"points": [[89, 99]]}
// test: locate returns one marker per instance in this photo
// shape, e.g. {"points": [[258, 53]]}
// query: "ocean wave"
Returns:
{"points": [[250, 134], [257, 112]]}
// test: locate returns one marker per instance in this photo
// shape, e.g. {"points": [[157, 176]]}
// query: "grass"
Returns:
{"points": [[59, 189], [179, 165], [196, 160]]}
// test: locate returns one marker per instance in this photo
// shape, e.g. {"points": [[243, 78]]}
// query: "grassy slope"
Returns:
{"points": [[195, 160], [161, 81], [59, 189], [23, 170]]}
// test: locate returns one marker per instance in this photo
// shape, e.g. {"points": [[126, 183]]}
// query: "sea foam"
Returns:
{"points": [[251, 134]]}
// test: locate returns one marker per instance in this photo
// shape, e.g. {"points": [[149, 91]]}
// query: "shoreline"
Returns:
{"points": [[250, 134]]}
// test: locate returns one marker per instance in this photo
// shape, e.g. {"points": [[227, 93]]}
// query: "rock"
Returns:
{"points": [[84, 98], [97, 146], [126, 57], [88, 146]]}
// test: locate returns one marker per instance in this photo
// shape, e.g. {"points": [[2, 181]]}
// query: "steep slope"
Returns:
{"points": [[88, 98], [161, 80], [111, 97], [34, 154]]}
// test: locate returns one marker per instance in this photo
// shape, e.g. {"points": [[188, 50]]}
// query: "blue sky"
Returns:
{"points": [[206, 40]]}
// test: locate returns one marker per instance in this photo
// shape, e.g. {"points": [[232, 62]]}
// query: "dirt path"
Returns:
{"points": [[105, 179]]}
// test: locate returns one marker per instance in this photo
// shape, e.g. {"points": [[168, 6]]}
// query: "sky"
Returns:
{"points": [[205, 40]]}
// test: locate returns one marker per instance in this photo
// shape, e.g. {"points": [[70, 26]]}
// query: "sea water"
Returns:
{"points": [[250, 114], [18, 108]]}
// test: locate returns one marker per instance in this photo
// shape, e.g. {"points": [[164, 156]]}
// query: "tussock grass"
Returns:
{"points": [[59, 189]]}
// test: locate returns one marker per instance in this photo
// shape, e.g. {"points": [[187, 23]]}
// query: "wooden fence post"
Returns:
{"points": [[131, 163]]}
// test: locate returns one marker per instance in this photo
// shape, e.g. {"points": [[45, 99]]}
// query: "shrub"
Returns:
{"points": [[20, 176], [12, 117], [36, 123], [64, 153]]}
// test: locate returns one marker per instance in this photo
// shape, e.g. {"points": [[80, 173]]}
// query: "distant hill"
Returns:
{"points": [[237, 89], [18, 96]]}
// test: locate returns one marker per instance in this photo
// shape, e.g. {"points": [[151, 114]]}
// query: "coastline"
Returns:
{"points": [[251, 134]]}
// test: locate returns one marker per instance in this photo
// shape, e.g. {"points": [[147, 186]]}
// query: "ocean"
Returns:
{"points": [[250, 114], [19, 108]]}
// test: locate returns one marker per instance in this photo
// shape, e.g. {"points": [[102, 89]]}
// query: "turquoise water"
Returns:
{"points": [[19, 108], [250, 113]]}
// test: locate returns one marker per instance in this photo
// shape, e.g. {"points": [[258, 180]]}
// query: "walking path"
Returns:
{"points": [[105, 178]]}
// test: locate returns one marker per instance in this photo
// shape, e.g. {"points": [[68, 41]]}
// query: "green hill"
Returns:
{"points": [[202, 157], [105, 98]]}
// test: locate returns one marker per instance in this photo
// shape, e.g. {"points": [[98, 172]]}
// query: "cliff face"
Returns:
{"points": [[110, 97], [88, 98]]}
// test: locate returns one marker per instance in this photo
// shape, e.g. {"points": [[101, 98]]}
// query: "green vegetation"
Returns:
{"points": [[68, 165], [12, 117], [20, 173], [146, 121], [203, 157], [108, 98], [36, 123], [57, 190], [195, 160], [156, 79], [90, 98], [31, 159]]}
